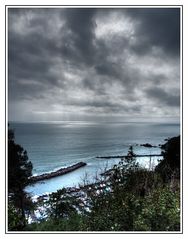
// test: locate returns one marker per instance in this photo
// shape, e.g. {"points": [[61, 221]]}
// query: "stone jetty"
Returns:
{"points": [[125, 156], [57, 173]]}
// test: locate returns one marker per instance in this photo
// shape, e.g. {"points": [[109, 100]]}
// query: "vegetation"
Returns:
{"points": [[131, 198], [169, 167], [19, 171]]}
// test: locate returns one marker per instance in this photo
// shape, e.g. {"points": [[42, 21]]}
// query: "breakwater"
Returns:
{"points": [[125, 156], [57, 173]]}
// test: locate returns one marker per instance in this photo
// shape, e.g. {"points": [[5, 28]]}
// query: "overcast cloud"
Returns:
{"points": [[80, 64]]}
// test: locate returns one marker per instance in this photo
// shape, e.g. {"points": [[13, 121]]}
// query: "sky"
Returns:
{"points": [[93, 64]]}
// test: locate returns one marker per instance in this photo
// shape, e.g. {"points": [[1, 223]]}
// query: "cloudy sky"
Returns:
{"points": [[93, 64]]}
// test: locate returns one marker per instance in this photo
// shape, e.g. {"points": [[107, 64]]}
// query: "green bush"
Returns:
{"points": [[15, 219], [157, 211], [73, 223], [160, 211]]}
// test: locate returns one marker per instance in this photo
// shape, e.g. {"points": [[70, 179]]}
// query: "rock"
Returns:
{"points": [[147, 145]]}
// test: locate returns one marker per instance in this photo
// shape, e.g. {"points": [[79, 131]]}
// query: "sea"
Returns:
{"points": [[54, 145]]}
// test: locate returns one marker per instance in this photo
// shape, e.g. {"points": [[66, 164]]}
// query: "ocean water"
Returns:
{"points": [[53, 145]]}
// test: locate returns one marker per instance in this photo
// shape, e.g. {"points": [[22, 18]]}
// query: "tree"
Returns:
{"points": [[123, 170], [19, 171], [171, 152], [169, 166]]}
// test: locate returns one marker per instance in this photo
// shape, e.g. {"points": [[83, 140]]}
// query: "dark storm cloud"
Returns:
{"points": [[94, 60], [163, 97], [29, 55], [81, 24], [159, 27], [108, 69]]}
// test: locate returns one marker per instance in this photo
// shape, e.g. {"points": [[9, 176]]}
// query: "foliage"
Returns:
{"points": [[129, 176], [74, 223], [61, 205], [19, 166], [63, 213], [160, 211], [171, 152], [19, 171], [121, 172], [170, 165], [15, 221]]}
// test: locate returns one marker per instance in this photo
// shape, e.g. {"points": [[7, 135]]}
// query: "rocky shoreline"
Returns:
{"points": [[149, 145], [59, 172]]}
